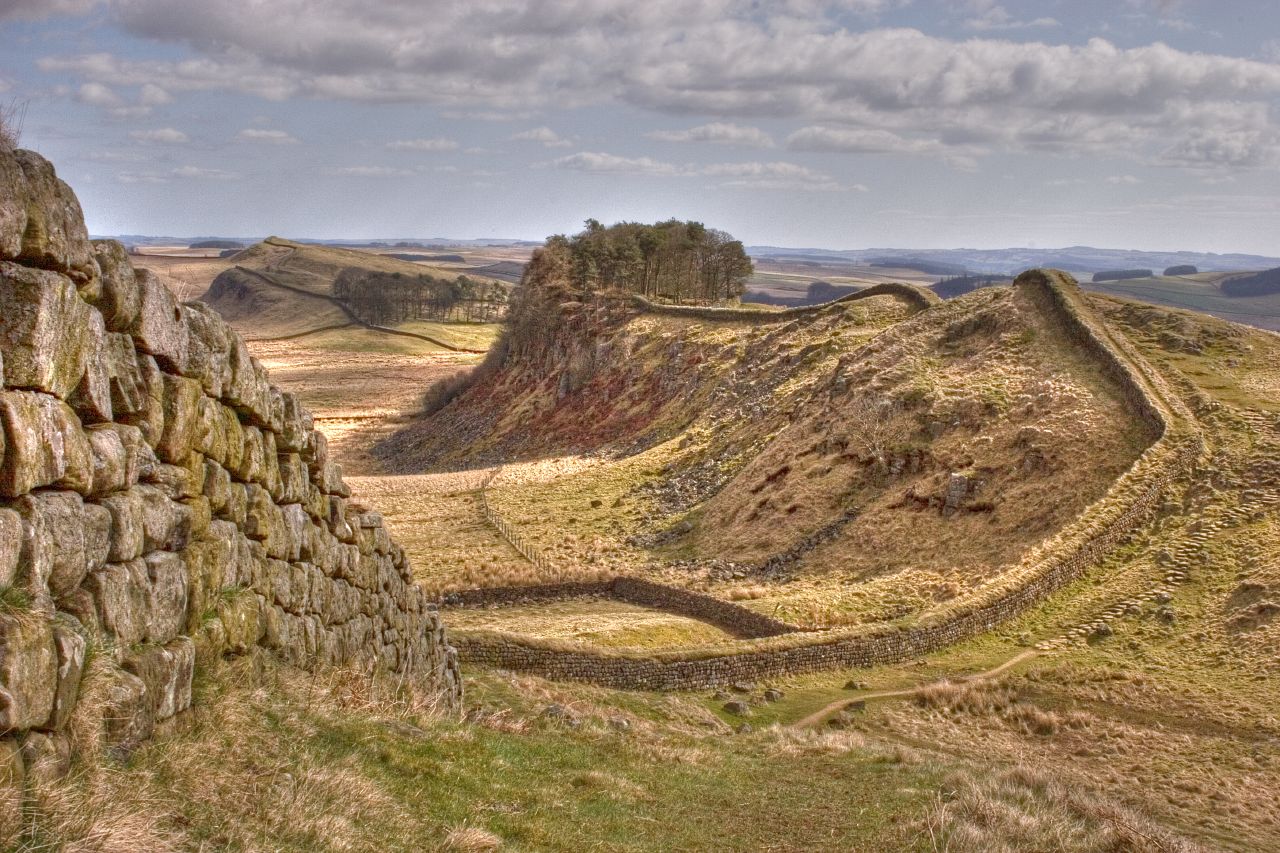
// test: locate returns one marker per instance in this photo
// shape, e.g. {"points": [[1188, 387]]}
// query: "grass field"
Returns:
{"points": [[1197, 293]]}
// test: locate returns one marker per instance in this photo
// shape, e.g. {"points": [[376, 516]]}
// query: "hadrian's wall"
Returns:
{"points": [[1094, 534], [161, 503], [918, 298]]}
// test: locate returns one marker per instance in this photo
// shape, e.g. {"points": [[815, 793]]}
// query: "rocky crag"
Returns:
{"points": [[161, 503]]}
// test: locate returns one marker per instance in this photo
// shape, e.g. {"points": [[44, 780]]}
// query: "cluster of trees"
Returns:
{"points": [[671, 260], [383, 298], [1262, 283]]}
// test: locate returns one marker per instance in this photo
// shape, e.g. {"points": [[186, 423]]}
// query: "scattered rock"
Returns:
{"points": [[738, 708], [773, 695]]}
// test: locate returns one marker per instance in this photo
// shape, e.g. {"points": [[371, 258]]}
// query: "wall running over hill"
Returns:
{"points": [[161, 504], [918, 298], [1098, 531]]}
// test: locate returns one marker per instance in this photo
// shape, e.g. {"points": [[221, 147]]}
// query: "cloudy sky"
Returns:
{"points": [[1145, 124]]}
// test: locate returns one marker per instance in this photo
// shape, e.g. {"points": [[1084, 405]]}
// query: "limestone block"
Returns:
{"points": [[293, 478], [127, 716], [166, 613], [166, 524], [97, 536], [330, 480], [49, 335], [79, 604], [174, 481], [234, 435], [296, 524], [217, 486], [297, 423], [119, 299], [158, 329], [250, 469], [43, 445], [316, 453], [41, 222], [150, 417], [69, 643], [55, 533], [200, 514], [47, 756], [208, 348], [181, 399], [210, 436], [124, 375], [122, 595], [166, 671], [237, 508], [110, 461], [240, 616], [270, 477], [247, 391], [28, 671], [140, 459], [10, 546], [274, 633], [342, 529], [206, 564]]}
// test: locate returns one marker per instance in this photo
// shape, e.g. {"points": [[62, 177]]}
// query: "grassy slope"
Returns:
{"points": [[1198, 292]]}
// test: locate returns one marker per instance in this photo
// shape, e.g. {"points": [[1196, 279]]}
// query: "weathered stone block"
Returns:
{"points": [[240, 615], [166, 671], [166, 524], [217, 486], [28, 671], [10, 546], [124, 375], [119, 298], [210, 437], [70, 645], [208, 348], [128, 719], [110, 461], [47, 756], [50, 336], [40, 219], [55, 528], [158, 328], [166, 613], [43, 445], [121, 593], [149, 417], [233, 432], [181, 398], [296, 425]]}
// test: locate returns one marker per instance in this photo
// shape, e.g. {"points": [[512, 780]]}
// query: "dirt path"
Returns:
{"points": [[821, 714]]}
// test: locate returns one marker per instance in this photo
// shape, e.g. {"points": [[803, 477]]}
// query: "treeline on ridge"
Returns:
{"points": [[1258, 284], [674, 261], [383, 298]]}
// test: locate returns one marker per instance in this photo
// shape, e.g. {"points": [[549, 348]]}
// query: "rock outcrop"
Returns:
{"points": [[161, 503]]}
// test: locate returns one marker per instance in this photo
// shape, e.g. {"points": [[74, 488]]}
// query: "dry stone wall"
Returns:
{"points": [[1099, 530], [161, 503], [918, 298]]}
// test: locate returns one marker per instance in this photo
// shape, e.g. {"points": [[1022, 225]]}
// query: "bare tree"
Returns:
{"points": [[12, 117]]}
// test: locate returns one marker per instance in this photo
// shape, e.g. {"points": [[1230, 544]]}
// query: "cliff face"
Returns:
{"points": [[161, 503]]}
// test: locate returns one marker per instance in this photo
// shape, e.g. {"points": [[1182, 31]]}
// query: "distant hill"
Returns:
{"points": [[216, 244], [1182, 269], [1121, 275], [950, 288], [925, 266]]}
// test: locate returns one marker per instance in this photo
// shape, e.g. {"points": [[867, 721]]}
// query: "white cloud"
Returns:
{"points": [[720, 58], [161, 136], [152, 95], [545, 135], [367, 171], [593, 161], [433, 144], [722, 133], [1123, 179], [98, 95], [270, 137], [184, 173]]}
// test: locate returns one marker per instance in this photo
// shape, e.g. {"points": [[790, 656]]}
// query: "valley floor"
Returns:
{"points": [[1137, 723]]}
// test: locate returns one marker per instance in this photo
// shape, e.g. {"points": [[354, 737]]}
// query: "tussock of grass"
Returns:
{"points": [[1021, 809]]}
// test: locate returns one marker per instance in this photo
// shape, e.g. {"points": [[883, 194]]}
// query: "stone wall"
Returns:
{"points": [[919, 298], [732, 618], [161, 503], [1094, 534]]}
